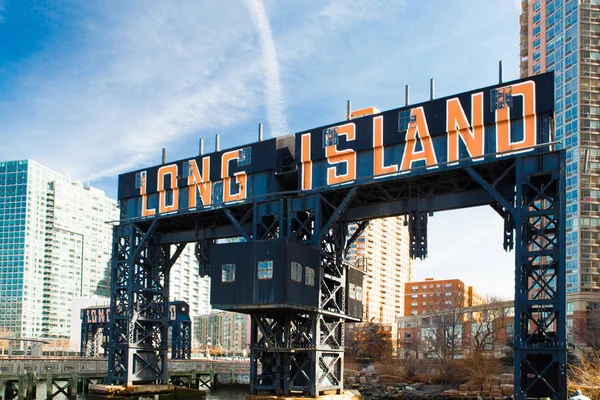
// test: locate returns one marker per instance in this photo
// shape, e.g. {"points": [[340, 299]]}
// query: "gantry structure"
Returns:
{"points": [[95, 322], [289, 201]]}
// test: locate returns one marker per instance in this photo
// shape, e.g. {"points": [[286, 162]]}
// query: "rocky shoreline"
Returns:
{"points": [[373, 385], [400, 390]]}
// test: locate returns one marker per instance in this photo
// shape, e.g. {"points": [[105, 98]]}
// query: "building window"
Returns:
{"points": [[330, 137], [265, 270], [140, 179], [309, 276], [415, 296], [536, 43], [415, 288], [296, 272], [352, 291], [359, 293], [244, 156], [228, 273], [569, 308], [536, 68], [536, 30]]}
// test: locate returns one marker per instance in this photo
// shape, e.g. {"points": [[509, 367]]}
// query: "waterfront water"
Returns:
{"points": [[230, 393], [226, 393]]}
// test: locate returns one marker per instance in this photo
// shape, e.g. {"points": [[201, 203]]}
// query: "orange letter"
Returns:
{"points": [[458, 127], [240, 178], [335, 156], [199, 183], [503, 141], [378, 161], [418, 127], [306, 162], [145, 211], [170, 170]]}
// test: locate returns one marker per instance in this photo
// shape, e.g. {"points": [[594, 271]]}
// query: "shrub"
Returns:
{"points": [[478, 367], [586, 371]]}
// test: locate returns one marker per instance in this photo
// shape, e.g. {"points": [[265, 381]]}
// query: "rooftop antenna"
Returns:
{"points": [[348, 110], [500, 71], [260, 132], [217, 142], [201, 146], [406, 95], [431, 89], [164, 156]]}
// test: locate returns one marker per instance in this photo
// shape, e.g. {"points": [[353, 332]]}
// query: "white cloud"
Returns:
{"points": [[151, 75], [273, 91], [138, 77]]}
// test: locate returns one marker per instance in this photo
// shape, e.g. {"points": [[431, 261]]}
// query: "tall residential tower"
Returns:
{"points": [[383, 251], [55, 245], [564, 36]]}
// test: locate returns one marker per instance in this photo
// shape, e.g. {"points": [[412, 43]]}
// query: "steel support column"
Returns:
{"points": [[303, 351], [417, 229], [540, 298], [139, 306], [181, 340]]}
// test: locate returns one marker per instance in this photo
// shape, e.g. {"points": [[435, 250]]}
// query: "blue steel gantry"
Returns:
{"points": [[291, 199], [95, 323]]}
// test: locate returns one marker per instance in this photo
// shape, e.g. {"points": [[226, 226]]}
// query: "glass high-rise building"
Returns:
{"points": [[55, 244], [564, 36]]}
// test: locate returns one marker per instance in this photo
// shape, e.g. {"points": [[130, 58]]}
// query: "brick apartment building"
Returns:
{"points": [[488, 328], [432, 295]]}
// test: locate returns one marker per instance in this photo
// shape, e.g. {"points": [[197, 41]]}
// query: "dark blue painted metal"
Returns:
{"points": [[490, 189], [417, 229], [540, 298], [95, 321], [363, 172]]}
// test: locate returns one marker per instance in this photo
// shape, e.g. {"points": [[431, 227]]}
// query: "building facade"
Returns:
{"points": [[485, 328], [562, 36], [430, 296], [382, 251], [222, 333], [187, 285], [55, 244]]}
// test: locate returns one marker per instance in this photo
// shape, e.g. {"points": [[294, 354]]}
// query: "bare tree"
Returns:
{"points": [[488, 322], [444, 330], [586, 330]]}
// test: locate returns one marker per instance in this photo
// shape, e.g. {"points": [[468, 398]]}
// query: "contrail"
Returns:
{"points": [[273, 92]]}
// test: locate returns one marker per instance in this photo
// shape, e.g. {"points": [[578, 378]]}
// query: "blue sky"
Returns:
{"points": [[94, 89]]}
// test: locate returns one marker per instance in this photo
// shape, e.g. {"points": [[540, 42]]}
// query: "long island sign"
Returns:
{"points": [[467, 128]]}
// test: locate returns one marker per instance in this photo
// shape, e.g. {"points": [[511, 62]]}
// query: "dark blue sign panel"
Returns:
{"points": [[484, 124], [178, 310]]}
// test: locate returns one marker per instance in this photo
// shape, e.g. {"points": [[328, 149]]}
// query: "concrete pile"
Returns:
{"points": [[495, 387]]}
